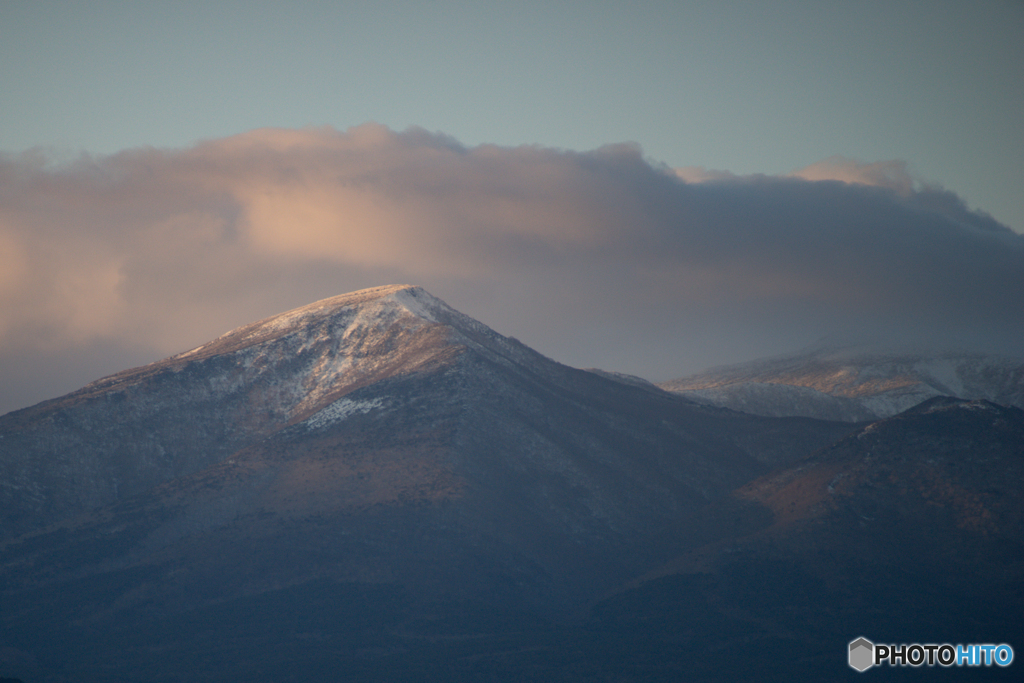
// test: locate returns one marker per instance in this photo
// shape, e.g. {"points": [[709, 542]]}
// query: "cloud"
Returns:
{"points": [[595, 258], [888, 174], [699, 174]]}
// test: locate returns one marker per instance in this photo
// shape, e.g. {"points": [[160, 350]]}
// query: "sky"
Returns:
{"points": [[652, 188]]}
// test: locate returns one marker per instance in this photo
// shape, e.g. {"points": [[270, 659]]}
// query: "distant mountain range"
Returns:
{"points": [[854, 383], [377, 487]]}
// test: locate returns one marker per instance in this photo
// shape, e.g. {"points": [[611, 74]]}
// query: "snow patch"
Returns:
{"points": [[193, 352], [873, 427], [341, 409], [287, 321], [413, 300]]}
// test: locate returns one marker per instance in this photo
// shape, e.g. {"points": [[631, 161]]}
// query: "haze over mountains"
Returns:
{"points": [[378, 484]]}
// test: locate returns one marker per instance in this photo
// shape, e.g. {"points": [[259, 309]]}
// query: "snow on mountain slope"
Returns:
{"points": [[333, 344], [132, 430], [854, 383]]}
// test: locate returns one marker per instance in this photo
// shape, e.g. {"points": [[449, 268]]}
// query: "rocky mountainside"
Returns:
{"points": [[378, 487], [854, 383]]}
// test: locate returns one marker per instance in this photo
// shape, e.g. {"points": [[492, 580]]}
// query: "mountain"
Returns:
{"points": [[376, 487], [348, 482], [854, 383], [909, 530], [126, 433]]}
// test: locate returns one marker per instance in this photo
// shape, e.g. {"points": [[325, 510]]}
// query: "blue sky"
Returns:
{"points": [[790, 170], [747, 87]]}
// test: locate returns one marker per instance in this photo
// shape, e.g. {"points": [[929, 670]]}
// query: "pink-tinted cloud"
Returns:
{"points": [[892, 175], [595, 258]]}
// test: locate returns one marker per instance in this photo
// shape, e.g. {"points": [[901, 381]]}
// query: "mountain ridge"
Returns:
{"points": [[854, 383]]}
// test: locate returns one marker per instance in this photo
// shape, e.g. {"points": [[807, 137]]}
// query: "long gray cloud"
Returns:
{"points": [[597, 258]]}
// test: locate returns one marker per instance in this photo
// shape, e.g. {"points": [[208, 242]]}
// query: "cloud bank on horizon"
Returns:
{"points": [[599, 258]]}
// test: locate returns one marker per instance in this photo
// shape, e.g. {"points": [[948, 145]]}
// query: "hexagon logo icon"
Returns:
{"points": [[862, 654]]}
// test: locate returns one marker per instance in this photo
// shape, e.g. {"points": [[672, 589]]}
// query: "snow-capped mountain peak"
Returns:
{"points": [[318, 365], [374, 306]]}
